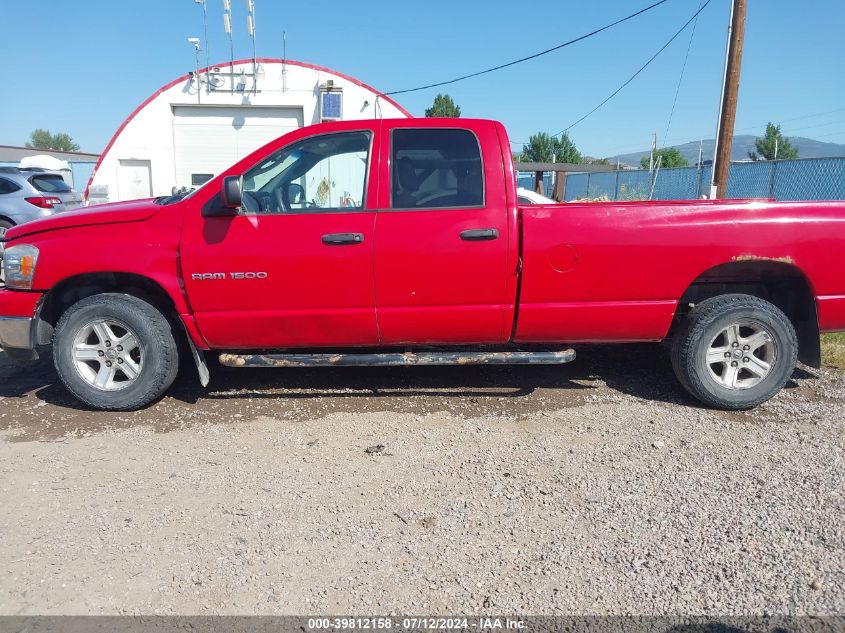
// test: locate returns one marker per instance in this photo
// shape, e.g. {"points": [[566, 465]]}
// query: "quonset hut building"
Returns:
{"points": [[199, 124]]}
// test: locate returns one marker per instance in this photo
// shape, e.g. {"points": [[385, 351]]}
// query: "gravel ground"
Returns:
{"points": [[595, 488]]}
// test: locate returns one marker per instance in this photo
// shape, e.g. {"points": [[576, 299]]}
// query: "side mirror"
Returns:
{"points": [[231, 193]]}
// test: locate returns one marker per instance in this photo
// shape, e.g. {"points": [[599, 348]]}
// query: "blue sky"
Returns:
{"points": [[83, 66]]}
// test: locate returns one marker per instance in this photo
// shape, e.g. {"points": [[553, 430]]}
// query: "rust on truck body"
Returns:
{"points": [[515, 357]]}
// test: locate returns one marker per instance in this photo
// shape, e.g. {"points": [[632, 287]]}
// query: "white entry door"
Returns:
{"points": [[208, 139], [134, 179]]}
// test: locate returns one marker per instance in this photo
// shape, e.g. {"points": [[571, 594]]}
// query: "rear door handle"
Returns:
{"points": [[340, 239], [479, 235]]}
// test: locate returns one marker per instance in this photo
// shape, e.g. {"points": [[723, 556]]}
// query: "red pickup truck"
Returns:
{"points": [[402, 242]]}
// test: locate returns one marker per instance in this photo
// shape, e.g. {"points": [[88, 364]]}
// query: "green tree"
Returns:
{"points": [[668, 156], [443, 106], [539, 149], [614, 165], [773, 145], [565, 150], [542, 148], [42, 139]]}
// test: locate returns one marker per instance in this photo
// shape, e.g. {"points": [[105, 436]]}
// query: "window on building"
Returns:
{"points": [[436, 169], [321, 173]]}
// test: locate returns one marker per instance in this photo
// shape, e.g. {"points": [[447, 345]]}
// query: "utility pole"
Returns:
{"points": [[653, 149], [730, 94], [651, 165], [699, 168]]}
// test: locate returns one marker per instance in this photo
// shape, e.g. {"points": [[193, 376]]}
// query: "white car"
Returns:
{"points": [[526, 196]]}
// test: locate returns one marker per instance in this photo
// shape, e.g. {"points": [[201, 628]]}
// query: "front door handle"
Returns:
{"points": [[340, 239], [479, 235]]}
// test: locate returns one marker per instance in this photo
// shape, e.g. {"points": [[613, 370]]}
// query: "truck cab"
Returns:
{"points": [[368, 233]]}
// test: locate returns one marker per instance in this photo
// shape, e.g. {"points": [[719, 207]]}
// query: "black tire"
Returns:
{"points": [[709, 382], [157, 348]]}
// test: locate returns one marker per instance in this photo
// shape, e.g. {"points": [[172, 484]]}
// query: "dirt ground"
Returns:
{"points": [[593, 488]]}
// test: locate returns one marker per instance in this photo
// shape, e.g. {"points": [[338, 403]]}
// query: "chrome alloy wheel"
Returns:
{"points": [[742, 355], [107, 354]]}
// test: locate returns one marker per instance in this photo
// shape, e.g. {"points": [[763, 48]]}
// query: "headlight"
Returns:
{"points": [[19, 266]]}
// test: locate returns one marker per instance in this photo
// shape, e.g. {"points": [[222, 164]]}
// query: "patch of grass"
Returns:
{"points": [[833, 350]]}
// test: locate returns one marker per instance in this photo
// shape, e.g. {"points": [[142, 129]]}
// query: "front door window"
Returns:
{"points": [[322, 173]]}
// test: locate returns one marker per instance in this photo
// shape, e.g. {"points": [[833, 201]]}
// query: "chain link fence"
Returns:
{"points": [[801, 179]]}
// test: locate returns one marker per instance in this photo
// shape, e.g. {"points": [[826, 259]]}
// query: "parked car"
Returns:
{"points": [[401, 242], [31, 194], [526, 196]]}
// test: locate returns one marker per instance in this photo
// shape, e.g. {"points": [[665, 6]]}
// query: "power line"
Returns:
{"points": [[797, 118], [830, 134], [642, 68], [681, 78], [530, 57], [817, 125]]}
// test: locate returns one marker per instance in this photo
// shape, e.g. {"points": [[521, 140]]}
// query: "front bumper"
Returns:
{"points": [[20, 328]]}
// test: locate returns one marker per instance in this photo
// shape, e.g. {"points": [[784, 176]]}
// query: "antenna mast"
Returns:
{"points": [[205, 42], [284, 61], [227, 25], [250, 27]]}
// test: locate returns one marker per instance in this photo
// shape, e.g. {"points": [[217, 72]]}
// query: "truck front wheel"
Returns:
{"points": [[115, 352], [735, 351]]}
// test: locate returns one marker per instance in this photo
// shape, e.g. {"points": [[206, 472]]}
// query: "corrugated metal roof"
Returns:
{"points": [[9, 153]]}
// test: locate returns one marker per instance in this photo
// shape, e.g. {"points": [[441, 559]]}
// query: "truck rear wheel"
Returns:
{"points": [[115, 352], [735, 351]]}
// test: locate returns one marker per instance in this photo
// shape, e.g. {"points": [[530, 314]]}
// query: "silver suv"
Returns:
{"points": [[29, 194]]}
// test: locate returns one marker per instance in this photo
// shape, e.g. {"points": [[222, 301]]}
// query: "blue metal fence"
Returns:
{"points": [[801, 179], [526, 181]]}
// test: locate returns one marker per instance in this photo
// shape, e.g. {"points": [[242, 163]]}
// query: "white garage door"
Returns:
{"points": [[208, 139]]}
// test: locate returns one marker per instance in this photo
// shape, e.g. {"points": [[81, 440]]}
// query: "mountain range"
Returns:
{"points": [[744, 143]]}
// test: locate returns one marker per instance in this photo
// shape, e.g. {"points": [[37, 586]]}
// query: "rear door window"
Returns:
{"points": [[436, 169], [7, 186], [50, 183]]}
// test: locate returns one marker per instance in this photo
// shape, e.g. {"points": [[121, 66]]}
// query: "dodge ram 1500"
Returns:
{"points": [[402, 242]]}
